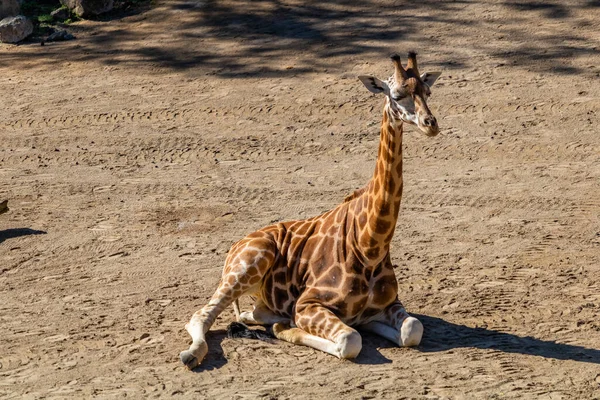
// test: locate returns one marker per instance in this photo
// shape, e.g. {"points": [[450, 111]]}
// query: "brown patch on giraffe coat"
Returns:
{"points": [[267, 288], [341, 306], [356, 285], [381, 226], [384, 209], [377, 270], [280, 296], [385, 291], [362, 220], [324, 296], [376, 186], [329, 227], [388, 156], [243, 279], [302, 228], [372, 253], [294, 291], [296, 240], [280, 276], [254, 279], [357, 307], [366, 240], [399, 170], [319, 265], [391, 186], [389, 236], [332, 279], [262, 264], [365, 201]]}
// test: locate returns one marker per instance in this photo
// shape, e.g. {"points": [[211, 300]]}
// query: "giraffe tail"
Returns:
{"points": [[240, 330]]}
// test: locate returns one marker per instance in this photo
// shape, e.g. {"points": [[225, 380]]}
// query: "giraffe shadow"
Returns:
{"points": [[439, 336], [442, 335], [370, 354], [215, 358], [17, 232]]}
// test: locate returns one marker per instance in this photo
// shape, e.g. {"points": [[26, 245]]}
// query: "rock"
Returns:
{"points": [[60, 14], [3, 206], [88, 8], [9, 8], [15, 29], [59, 36]]}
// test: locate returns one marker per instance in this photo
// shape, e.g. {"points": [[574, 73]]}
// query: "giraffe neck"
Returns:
{"points": [[377, 213]]}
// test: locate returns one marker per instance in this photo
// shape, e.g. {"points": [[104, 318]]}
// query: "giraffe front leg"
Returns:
{"points": [[197, 328], [319, 328], [245, 266], [397, 326]]}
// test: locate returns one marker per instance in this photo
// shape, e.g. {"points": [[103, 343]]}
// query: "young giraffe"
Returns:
{"points": [[318, 278]]}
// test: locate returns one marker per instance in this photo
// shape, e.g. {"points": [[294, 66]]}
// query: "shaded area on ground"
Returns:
{"points": [[215, 358], [274, 38], [442, 335], [18, 232]]}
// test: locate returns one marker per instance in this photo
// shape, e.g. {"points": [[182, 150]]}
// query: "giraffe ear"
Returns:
{"points": [[430, 77], [373, 84]]}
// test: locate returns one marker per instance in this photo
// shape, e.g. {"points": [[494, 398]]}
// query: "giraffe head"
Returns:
{"points": [[407, 92]]}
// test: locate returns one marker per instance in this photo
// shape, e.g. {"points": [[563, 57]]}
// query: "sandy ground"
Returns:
{"points": [[134, 156]]}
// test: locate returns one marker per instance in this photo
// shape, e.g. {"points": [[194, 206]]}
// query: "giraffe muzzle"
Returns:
{"points": [[429, 126]]}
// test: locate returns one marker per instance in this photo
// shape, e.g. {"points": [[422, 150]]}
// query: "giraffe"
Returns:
{"points": [[320, 280]]}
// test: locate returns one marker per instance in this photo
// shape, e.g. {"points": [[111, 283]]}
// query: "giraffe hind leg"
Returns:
{"points": [[397, 326], [246, 264], [319, 328]]}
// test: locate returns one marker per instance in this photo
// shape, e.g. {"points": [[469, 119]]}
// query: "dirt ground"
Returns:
{"points": [[134, 156]]}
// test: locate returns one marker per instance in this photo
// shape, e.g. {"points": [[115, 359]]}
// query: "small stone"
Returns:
{"points": [[60, 36], [88, 8], [144, 336], [60, 14], [15, 29]]}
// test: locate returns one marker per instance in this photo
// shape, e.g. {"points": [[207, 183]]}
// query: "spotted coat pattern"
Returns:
{"points": [[318, 279]]}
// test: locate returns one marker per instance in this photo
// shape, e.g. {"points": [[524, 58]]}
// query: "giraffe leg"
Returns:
{"points": [[319, 328], [261, 315], [245, 266], [397, 326]]}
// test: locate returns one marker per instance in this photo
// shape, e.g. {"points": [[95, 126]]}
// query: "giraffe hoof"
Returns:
{"points": [[188, 359], [278, 328], [194, 355], [411, 332], [350, 345]]}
